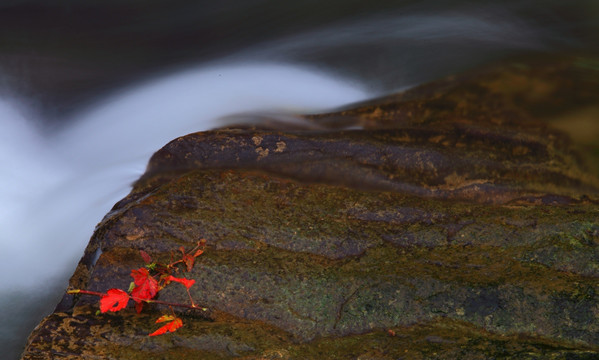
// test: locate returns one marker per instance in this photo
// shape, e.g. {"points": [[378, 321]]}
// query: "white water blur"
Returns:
{"points": [[475, 28], [56, 187], [53, 189]]}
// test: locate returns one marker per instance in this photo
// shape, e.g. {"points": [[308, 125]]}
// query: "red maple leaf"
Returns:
{"points": [[186, 282], [146, 285], [114, 300], [173, 324]]}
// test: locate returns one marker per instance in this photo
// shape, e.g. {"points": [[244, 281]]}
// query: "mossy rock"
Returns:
{"points": [[453, 223]]}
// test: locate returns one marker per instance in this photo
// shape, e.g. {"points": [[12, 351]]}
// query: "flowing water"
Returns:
{"points": [[61, 173]]}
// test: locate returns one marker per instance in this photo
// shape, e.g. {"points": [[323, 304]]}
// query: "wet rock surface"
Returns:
{"points": [[455, 222]]}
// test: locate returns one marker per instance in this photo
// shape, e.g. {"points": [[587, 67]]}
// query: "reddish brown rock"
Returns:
{"points": [[455, 224]]}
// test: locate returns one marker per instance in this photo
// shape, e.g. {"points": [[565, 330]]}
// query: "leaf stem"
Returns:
{"points": [[86, 292], [95, 293]]}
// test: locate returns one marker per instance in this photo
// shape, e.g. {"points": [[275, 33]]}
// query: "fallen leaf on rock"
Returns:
{"points": [[186, 282], [173, 325], [114, 300], [146, 286]]}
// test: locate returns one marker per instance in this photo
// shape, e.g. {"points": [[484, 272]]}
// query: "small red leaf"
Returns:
{"points": [[140, 275], [145, 256], [186, 282], [189, 261], [139, 306], [146, 285], [198, 253], [170, 327], [164, 318], [114, 300]]}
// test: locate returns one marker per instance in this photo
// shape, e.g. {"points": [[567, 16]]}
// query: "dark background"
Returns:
{"points": [[61, 54]]}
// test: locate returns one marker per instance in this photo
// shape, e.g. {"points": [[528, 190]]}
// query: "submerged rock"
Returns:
{"points": [[449, 221]]}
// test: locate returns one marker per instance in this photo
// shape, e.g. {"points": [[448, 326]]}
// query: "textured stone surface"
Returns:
{"points": [[455, 224]]}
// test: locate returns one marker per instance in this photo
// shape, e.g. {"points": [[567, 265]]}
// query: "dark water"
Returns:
{"points": [[63, 54], [89, 90]]}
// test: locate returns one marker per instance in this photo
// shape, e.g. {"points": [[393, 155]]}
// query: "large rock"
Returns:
{"points": [[447, 222]]}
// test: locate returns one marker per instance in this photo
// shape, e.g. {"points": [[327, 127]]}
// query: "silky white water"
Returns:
{"points": [[56, 187]]}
